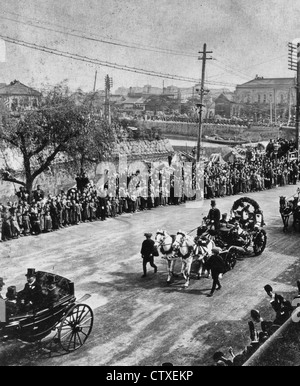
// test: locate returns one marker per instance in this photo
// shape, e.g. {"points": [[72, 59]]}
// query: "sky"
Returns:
{"points": [[164, 37]]}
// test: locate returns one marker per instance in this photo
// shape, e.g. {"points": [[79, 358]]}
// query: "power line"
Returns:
{"points": [[231, 71], [43, 22], [104, 40], [103, 63]]}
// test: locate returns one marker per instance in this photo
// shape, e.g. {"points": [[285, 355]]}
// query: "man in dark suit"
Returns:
{"points": [[38, 194], [214, 215], [147, 252], [217, 266], [53, 291], [280, 305], [31, 297]]}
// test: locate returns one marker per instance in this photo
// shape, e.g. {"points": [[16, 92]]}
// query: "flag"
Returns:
{"points": [[2, 51]]}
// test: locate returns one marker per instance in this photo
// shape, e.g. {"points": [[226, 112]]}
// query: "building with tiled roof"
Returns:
{"points": [[224, 105], [271, 96], [18, 97]]}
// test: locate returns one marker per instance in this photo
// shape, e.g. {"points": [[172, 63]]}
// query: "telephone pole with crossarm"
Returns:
{"points": [[204, 58], [294, 65]]}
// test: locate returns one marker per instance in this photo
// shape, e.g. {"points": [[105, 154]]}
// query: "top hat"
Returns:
{"points": [[268, 288], [30, 272], [213, 202], [255, 314], [11, 293], [51, 280], [1, 282]]}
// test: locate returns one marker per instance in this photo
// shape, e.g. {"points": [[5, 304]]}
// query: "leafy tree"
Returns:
{"points": [[59, 126]]}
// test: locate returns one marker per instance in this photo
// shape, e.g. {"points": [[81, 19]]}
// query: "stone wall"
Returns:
{"points": [[60, 178], [254, 134]]}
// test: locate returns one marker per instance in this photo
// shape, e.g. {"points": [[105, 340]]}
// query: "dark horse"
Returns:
{"points": [[288, 209]]}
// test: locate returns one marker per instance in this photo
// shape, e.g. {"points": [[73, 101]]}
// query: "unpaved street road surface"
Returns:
{"points": [[143, 321]]}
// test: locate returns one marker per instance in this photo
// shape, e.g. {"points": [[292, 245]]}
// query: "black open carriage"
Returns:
{"points": [[71, 323], [244, 230]]}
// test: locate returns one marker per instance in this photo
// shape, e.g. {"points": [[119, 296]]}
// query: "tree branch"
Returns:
{"points": [[14, 180], [47, 163]]}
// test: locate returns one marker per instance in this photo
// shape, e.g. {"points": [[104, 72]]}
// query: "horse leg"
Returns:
{"points": [[171, 264], [169, 271], [188, 267], [199, 272]]}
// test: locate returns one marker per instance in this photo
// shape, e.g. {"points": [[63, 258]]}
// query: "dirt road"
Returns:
{"points": [[144, 321]]}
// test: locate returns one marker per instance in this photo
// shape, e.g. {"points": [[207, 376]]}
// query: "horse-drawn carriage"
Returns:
{"points": [[70, 322], [290, 207], [193, 252], [244, 230]]}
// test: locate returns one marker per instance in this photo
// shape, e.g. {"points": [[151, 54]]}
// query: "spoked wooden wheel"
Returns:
{"points": [[76, 327], [260, 242]]}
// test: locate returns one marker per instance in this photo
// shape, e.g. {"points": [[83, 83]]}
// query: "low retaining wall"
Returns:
{"points": [[281, 349], [254, 134], [60, 177]]}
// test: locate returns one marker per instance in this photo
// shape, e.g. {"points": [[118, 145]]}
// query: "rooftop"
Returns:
{"points": [[19, 89], [268, 82]]}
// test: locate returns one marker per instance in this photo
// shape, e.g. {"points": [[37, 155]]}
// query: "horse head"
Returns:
{"points": [[159, 238], [184, 243], [164, 241], [179, 239]]}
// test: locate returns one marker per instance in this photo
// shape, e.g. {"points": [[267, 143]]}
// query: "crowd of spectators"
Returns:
{"points": [[84, 203], [255, 172], [260, 330], [40, 213]]}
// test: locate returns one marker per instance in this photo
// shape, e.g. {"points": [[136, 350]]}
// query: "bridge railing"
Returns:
{"points": [[266, 353]]}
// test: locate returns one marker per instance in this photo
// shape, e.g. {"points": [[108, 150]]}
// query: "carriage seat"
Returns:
{"points": [[62, 287]]}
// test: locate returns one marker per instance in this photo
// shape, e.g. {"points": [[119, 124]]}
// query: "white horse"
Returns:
{"points": [[193, 249], [164, 242], [185, 246]]}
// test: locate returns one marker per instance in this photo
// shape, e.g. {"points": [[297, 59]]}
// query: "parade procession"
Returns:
{"points": [[149, 217]]}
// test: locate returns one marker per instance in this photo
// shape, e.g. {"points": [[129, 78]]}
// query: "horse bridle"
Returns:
{"points": [[183, 236]]}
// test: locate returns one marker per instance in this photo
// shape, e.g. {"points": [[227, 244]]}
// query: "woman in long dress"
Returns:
{"points": [[48, 220], [26, 223], [15, 229]]}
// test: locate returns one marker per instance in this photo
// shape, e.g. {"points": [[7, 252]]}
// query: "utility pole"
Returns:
{"points": [[294, 65], [271, 111], [95, 81], [204, 58], [275, 108], [108, 87]]}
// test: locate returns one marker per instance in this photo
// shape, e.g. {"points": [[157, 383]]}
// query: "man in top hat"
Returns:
{"points": [[147, 253], [217, 266], [214, 215], [2, 284], [53, 291], [31, 296]]}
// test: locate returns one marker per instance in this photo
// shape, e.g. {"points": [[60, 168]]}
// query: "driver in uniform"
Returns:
{"points": [[214, 216]]}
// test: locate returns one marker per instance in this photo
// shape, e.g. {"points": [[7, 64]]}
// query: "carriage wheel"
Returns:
{"points": [[75, 327], [260, 242], [231, 259]]}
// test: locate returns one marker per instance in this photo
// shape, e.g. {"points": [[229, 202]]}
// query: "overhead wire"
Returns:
{"points": [[103, 63], [43, 22], [78, 34]]}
